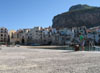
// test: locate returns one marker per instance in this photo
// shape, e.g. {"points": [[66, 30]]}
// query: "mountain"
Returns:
{"points": [[78, 15], [80, 7]]}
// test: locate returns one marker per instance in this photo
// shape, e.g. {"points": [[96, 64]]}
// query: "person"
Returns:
{"points": [[82, 41], [76, 47]]}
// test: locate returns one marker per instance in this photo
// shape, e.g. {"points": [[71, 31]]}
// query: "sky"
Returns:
{"points": [[19, 14]]}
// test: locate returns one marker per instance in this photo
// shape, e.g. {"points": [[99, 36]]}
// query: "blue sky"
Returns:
{"points": [[16, 14]]}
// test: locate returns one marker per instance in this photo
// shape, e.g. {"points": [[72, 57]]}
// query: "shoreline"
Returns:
{"points": [[44, 47]]}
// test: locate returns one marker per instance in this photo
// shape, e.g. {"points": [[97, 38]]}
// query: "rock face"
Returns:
{"points": [[79, 15], [79, 7]]}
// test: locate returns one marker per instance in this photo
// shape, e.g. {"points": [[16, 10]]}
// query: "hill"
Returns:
{"points": [[78, 15]]}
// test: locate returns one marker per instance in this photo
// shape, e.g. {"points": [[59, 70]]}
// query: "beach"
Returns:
{"points": [[32, 60]]}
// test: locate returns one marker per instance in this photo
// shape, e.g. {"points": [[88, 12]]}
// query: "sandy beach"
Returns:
{"points": [[29, 60]]}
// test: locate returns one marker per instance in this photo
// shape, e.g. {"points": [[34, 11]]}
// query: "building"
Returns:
{"points": [[3, 35], [19, 36], [47, 36], [34, 36], [94, 34], [12, 36], [51, 36]]}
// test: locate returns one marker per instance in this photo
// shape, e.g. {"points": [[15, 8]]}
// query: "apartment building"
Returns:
{"points": [[34, 36], [3, 35], [12, 36]]}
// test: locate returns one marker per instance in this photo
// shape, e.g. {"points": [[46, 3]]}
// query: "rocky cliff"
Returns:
{"points": [[78, 15]]}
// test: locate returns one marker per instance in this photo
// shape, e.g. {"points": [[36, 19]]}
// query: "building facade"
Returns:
{"points": [[51, 36], [3, 35]]}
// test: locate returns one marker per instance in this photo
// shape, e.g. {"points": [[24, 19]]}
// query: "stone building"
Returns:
{"points": [[12, 36], [3, 35], [19, 37]]}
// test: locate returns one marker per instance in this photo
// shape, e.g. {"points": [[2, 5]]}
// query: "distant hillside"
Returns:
{"points": [[78, 15], [80, 7]]}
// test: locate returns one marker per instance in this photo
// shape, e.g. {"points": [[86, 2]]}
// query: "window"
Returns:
{"points": [[1, 34], [4, 39], [5, 31], [1, 30], [5, 35]]}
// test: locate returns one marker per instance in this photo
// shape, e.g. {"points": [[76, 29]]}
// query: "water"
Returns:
{"points": [[86, 48], [97, 48]]}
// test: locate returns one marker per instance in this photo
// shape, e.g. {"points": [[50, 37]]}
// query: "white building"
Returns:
{"points": [[94, 33], [35, 36]]}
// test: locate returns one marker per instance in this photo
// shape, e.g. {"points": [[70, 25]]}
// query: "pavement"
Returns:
{"points": [[27, 60]]}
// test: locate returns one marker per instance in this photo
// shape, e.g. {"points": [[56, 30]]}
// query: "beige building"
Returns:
{"points": [[12, 36], [21, 36], [3, 35]]}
